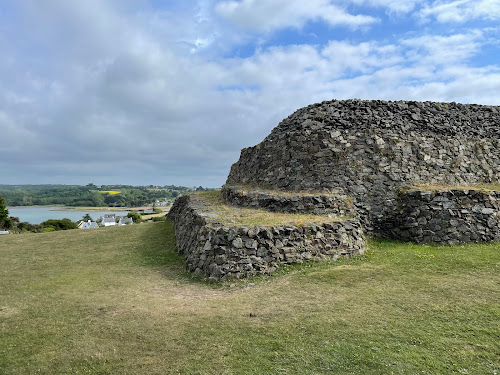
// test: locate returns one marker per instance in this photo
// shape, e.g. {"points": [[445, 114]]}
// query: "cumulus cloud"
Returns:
{"points": [[438, 49], [263, 15], [406, 69]]}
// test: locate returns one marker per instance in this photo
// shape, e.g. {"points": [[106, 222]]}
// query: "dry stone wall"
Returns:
{"points": [[353, 158], [369, 149], [216, 251], [317, 204], [447, 216]]}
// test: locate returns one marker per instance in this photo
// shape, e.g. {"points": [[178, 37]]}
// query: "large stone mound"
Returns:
{"points": [[422, 172], [370, 149]]}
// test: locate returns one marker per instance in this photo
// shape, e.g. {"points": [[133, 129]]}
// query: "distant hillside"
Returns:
{"points": [[89, 195]]}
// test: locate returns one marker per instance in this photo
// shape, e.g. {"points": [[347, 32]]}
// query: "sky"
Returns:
{"points": [[168, 92]]}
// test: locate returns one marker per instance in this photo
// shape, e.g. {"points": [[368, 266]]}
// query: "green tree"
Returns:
{"points": [[62, 224], [136, 217], [87, 217], [4, 212]]}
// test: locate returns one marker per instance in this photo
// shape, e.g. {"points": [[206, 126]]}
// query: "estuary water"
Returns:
{"points": [[37, 215]]}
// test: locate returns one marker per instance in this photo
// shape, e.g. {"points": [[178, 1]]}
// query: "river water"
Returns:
{"points": [[37, 215]]}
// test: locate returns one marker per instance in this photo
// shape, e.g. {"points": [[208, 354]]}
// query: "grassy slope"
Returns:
{"points": [[117, 301]]}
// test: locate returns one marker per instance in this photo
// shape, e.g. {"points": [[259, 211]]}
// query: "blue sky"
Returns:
{"points": [[168, 92]]}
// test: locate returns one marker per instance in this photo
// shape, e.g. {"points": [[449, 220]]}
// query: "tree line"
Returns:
{"points": [[89, 195]]}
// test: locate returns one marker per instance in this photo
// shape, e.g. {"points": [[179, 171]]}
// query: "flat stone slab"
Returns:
{"points": [[218, 244]]}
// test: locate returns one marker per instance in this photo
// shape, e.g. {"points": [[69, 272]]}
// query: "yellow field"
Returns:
{"points": [[111, 192]]}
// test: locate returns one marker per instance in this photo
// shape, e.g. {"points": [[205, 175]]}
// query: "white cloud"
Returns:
{"points": [[429, 67], [265, 16], [458, 11], [358, 58], [437, 49]]}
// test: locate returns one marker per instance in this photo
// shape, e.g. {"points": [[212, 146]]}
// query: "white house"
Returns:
{"points": [[125, 220], [108, 220], [88, 225]]}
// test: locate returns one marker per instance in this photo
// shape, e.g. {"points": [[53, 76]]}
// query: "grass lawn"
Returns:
{"points": [[117, 301]]}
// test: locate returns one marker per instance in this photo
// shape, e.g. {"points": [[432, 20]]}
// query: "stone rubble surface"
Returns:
{"points": [[447, 216], [355, 158], [369, 149], [318, 204]]}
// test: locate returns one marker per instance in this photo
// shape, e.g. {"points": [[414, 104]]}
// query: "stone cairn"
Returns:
{"points": [[216, 249], [365, 160]]}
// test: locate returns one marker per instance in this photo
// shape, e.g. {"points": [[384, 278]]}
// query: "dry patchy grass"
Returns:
{"points": [[286, 193], [239, 216], [117, 301], [478, 187]]}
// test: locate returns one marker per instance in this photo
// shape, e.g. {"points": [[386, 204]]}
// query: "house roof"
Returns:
{"points": [[125, 220], [89, 225]]}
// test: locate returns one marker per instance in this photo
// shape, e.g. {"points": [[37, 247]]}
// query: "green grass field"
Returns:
{"points": [[117, 301]]}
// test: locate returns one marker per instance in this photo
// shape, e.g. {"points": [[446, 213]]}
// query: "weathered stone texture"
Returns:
{"points": [[217, 252], [317, 204], [369, 149], [447, 216], [362, 153]]}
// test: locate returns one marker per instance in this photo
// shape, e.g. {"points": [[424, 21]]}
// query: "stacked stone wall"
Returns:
{"points": [[218, 252], [370, 149], [317, 204], [447, 216], [352, 158]]}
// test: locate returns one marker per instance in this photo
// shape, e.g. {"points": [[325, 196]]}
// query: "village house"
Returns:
{"points": [[108, 220], [125, 220], [87, 225]]}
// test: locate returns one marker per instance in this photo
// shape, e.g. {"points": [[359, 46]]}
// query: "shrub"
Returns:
{"points": [[136, 217], [63, 224]]}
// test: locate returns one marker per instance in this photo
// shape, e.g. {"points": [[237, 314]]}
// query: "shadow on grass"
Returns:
{"points": [[158, 250]]}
